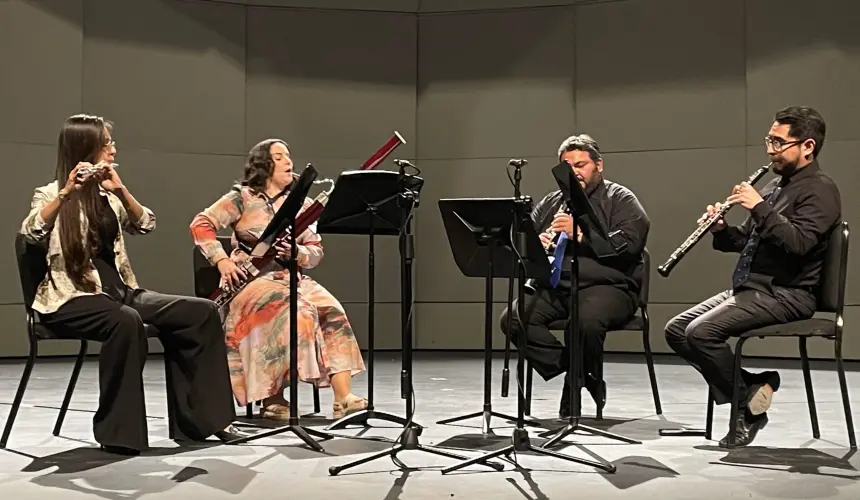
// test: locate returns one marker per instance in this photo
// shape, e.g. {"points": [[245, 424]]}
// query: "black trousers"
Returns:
{"points": [[199, 395], [601, 308], [700, 333]]}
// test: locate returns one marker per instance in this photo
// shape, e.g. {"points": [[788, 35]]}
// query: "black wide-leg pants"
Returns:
{"points": [[199, 395]]}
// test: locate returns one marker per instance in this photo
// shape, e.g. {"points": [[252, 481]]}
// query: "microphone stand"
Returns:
{"points": [[506, 373]]}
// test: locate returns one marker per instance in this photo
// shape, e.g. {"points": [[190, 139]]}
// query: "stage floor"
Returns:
{"points": [[784, 462]]}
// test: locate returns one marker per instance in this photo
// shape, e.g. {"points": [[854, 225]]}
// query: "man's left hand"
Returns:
{"points": [[745, 195]]}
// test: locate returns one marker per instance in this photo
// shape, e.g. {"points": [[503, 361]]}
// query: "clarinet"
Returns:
{"points": [[531, 282], [222, 297], [704, 227]]}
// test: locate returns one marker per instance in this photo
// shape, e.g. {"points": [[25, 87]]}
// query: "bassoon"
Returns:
{"points": [[704, 227], [304, 220]]}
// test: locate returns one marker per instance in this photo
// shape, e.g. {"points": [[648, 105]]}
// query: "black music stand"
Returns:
{"points": [[294, 202], [406, 199], [534, 264], [581, 211], [479, 233], [365, 202]]}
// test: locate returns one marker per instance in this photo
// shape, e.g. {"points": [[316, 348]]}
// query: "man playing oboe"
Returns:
{"points": [[782, 245], [608, 287]]}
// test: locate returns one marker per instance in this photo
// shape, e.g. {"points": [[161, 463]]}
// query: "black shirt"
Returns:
{"points": [[104, 259], [794, 231], [627, 225]]}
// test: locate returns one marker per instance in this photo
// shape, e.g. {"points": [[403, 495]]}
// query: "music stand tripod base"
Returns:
{"points": [[407, 442], [362, 417]]}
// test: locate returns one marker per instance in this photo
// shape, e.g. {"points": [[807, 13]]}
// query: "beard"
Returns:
{"points": [[590, 185], [784, 167]]}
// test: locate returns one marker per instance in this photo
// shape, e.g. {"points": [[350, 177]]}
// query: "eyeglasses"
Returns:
{"points": [[778, 144]]}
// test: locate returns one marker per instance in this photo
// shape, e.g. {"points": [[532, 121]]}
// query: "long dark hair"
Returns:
{"points": [[259, 165], [81, 139]]}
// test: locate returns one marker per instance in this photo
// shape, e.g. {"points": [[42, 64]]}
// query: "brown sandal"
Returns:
{"points": [[276, 411], [350, 404]]}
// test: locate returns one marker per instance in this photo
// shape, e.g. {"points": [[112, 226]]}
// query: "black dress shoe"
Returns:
{"points": [[747, 428], [120, 450], [231, 433]]}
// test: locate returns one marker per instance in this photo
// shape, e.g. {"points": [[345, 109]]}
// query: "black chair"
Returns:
{"points": [[32, 268], [206, 281], [638, 323], [831, 299]]}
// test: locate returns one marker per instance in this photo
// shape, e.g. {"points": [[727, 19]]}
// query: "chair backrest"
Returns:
{"points": [[646, 278], [32, 267], [831, 289], [206, 276]]}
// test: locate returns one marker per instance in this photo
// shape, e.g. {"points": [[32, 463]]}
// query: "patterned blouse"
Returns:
{"points": [[55, 291], [248, 213]]}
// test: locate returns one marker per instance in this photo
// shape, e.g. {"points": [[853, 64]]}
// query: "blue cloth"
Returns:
{"points": [[558, 259], [742, 269]]}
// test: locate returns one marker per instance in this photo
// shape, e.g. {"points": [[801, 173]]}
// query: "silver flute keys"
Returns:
{"points": [[85, 172]]}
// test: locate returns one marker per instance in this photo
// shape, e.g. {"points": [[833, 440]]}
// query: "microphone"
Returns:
{"points": [[404, 164], [518, 162]]}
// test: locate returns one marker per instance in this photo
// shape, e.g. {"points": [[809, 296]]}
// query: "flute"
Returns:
{"points": [[85, 173], [704, 227]]}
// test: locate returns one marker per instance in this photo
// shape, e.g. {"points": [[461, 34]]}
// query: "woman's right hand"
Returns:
{"points": [[73, 183], [231, 274]]}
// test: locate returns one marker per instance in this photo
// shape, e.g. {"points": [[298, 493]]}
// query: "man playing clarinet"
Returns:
{"points": [[782, 244], [608, 287]]}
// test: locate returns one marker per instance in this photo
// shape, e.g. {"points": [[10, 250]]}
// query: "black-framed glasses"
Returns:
{"points": [[778, 144]]}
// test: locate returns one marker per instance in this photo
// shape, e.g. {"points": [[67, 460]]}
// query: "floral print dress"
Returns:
{"points": [[257, 325]]}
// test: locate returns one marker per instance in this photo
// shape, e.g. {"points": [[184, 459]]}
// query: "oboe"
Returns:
{"points": [[704, 227]]}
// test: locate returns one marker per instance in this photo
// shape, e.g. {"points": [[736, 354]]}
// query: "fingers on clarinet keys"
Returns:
{"points": [[546, 240]]}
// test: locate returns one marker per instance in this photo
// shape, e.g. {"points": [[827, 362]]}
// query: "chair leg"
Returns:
{"points": [[73, 380], [19, 396], [316, 399], [733, 416], [649, 360], [249, 410], [709, 417], [529, 376], [810, 396], [599, 376], [846, 405]]}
